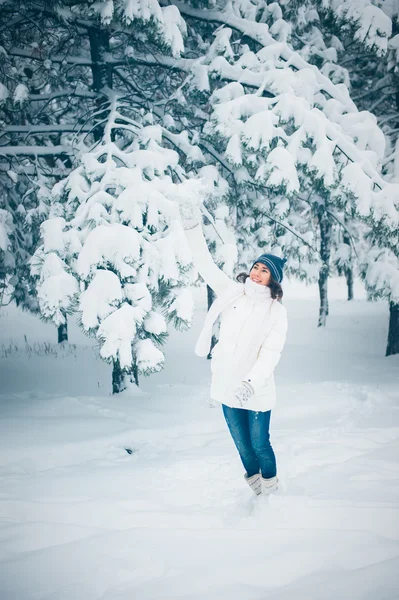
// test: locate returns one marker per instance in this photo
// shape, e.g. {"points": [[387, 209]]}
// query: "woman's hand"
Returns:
{"points": [[243, 393]]}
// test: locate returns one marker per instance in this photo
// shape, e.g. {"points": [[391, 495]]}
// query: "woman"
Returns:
{"points": [[252, 335]]}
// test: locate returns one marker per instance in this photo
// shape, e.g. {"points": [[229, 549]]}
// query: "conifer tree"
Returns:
{"points": [[113, 248], [298, 158]]}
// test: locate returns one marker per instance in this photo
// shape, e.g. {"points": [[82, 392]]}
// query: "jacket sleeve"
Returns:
{"points": [[203, 261], [270, 352]]}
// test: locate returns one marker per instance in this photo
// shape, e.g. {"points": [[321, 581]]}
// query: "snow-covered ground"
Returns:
{"points": [[81, 519]]}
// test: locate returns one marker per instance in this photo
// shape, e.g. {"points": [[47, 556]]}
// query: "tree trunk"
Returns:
{"points": [[211, 297], [325, 252], [118, 378], [101, 72], [135, 372], [349, 282], [323, 293], [99, 48], [393, 331], [348, 271], [63, 332], [121, 379]]}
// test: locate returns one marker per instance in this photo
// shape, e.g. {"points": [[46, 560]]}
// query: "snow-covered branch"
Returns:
{"points": [[259, 32], [30, 170], [55, 127], [61, 93], [70, 60], [35, 150]]}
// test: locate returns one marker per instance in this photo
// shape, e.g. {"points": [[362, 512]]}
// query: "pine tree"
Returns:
{"points": [[250, 89], [113, 248], [22, 210], [324, 120]]}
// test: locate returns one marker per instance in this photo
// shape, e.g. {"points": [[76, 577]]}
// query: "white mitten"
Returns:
{"points": [[190, 214], [243, 393]]}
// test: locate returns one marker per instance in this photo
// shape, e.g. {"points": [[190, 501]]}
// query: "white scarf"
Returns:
{"points": [[230, 295]]}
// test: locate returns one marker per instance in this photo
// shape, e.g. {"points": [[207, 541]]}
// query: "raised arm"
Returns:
{"points": [[203, 261]]}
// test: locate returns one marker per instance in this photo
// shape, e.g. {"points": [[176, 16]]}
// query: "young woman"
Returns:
{"points": [[252, 335]]}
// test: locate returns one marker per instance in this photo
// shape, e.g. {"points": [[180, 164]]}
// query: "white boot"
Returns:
{"points": [[269, 485], [254, 483]]}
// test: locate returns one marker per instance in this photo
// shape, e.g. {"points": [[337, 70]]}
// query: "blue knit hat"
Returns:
{"points": [[274, 263]]}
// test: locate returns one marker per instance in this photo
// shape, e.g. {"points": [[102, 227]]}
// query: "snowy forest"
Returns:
{"points": [[281, 118], [274, 124]]}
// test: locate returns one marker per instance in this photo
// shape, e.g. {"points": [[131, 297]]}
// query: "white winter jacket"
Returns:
{"points": [[252, 332]]}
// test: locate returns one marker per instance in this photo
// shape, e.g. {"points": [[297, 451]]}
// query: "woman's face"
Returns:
{"points": [[260, 274]]}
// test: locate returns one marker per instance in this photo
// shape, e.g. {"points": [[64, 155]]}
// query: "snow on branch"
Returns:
{"points": [[70, 60], [61, 93], [290, 138], [260, 33], [380, 269], [115, 230], [35, 150], [373, 27], [55, 127]]}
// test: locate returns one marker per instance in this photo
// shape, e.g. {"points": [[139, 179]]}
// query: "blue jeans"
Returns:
{"points": [[250, 432]]}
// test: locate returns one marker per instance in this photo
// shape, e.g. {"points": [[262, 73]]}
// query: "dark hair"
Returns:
{"points": [[275, 288]]}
